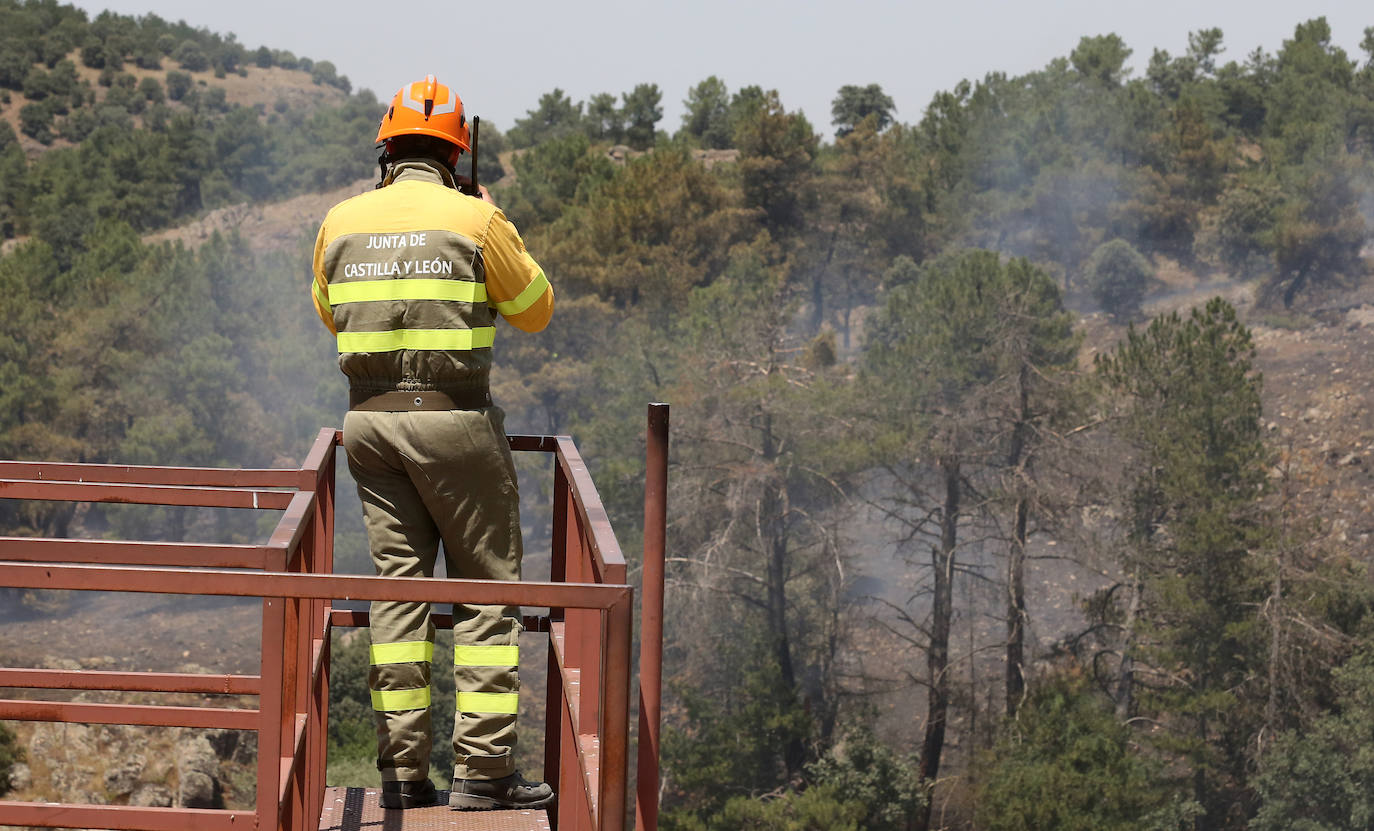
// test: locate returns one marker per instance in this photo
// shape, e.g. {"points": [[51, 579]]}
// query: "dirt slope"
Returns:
{"points": [[266, 225]]}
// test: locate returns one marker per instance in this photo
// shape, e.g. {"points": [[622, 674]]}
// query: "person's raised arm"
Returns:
{"points": [[516, 285]]}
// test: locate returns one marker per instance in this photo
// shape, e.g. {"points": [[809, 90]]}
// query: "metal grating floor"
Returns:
{"points": [[358, 809]]}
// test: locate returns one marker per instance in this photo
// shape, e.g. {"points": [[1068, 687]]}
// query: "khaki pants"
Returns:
{"points": [[426, 478]]}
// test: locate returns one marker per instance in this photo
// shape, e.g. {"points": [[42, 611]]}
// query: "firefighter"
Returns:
{"points": [[410, 277]]}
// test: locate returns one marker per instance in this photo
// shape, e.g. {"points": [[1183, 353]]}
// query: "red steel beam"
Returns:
{"points": [[318, 461], [291, 674], [317, 654], [73, 712], [570, 675], [271, 704], [651, 617], [317, 764], [571, 683], [211, 477], [615, 716], [290, 764], [292, 526], [590, 759], [125, 552], [223, 582], [554, 747], [170, 682], [181, 495], [56, 815], [589, 508]]}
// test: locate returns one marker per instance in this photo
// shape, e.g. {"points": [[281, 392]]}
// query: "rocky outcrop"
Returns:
{"points": [[124, 776], [72, 756], [152, 796], [198, 775], [151, 767], [20, 776]]}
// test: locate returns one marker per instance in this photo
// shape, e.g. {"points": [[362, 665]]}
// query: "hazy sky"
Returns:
{"points": [[503, 56]]}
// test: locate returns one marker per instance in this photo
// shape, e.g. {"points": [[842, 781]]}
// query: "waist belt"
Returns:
{"points": [[401, 401]]}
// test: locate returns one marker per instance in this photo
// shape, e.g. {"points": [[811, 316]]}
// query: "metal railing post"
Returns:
{"points": [[270, 711], [555, 720], [615, 712], [651, 616]]}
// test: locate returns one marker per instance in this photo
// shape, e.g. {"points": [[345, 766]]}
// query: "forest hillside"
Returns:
{"points": [[1022, 453]]}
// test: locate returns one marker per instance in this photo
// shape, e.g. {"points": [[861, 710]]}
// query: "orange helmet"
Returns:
{"points": [[426, 108]]}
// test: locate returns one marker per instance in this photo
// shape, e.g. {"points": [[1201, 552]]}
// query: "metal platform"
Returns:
{"points": [[358, 809], [589, 598]]}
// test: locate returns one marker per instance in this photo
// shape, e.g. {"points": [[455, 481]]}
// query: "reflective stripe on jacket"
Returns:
{"points": [[410, 276]]}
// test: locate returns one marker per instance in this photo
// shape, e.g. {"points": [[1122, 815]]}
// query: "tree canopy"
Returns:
{"points": [[888, 426]]}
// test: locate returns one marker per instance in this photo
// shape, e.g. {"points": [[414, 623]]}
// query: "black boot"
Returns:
{"points": [[508, 792], [408, 794]]}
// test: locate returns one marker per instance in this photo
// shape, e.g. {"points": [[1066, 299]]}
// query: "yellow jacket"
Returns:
{"points": [[409, 277]]}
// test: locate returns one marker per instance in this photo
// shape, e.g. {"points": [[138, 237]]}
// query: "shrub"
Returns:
{"points": [[13, 68], [226, 60], [216, 100], [868, 772], [93, 55], [125, 95], [821, 809], [63, 80], [78, 125], [323, 73], [1067, 763], [54, 47], [148, 57], [1324, 773], [115, 49], [177, 84], [113, 115], [151, 90], [191, 57], [10, 754], [156, 117], [1117, 277], [36, 85], [35, 120]]}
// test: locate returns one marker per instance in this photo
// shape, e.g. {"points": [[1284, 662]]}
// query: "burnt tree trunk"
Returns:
{"points": [[1017, 461], [1125, 683], [1016, 611], [773, 511], [937, 657]]}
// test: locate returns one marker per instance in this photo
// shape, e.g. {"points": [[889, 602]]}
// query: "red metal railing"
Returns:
{"points": [[651, 615], [587, 736]]}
